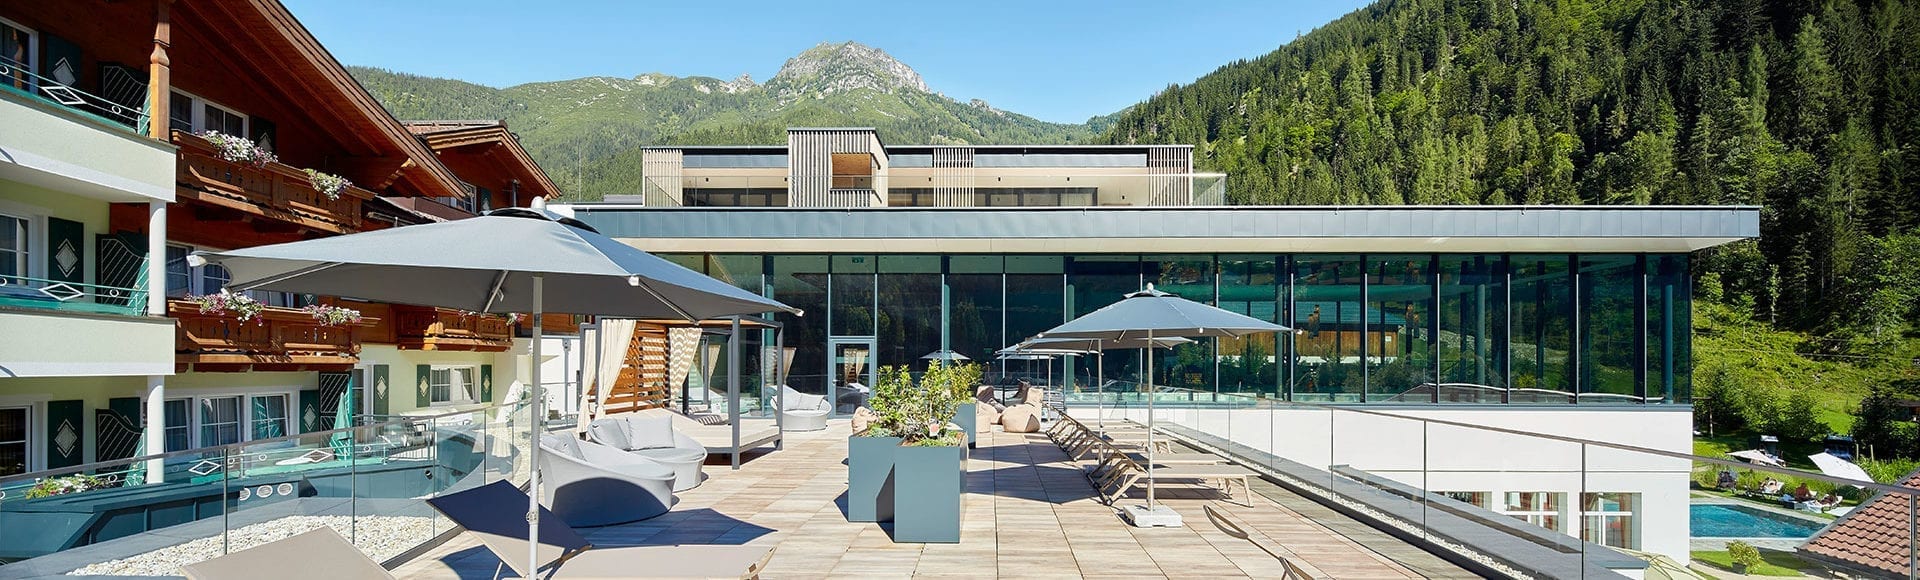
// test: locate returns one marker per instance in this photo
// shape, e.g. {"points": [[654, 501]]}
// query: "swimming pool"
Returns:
{"points": [[1713, 520]]}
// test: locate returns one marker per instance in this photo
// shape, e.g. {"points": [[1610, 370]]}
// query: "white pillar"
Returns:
{"points": [[157, 258], [154, 432]]}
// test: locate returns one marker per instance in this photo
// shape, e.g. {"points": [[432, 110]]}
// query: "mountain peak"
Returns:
{"points": [[828, 68]]}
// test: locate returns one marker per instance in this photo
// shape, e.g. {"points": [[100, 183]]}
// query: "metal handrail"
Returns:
{"points": [[21, 78], [224, 449], [62, 292]]}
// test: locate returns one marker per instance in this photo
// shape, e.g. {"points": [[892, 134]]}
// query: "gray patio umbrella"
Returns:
{"points": [[498, 263], [1148, 314], [1099, 347], [944, 355]]}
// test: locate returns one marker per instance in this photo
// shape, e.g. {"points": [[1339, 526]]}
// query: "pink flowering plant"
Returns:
{"points": [[238, 149], [328, 184], [333, 315], [241, 306]]}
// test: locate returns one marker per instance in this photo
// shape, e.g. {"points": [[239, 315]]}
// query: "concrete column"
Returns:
{"points": [[157, 258], [154, 432]]}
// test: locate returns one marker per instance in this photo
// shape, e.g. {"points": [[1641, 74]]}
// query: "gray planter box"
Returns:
{"points": [[870, 481], [929, 493], [967, 420]]}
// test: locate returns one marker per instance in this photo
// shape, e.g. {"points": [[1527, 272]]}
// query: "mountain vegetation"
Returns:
{"points": [[1807, 108], [586, 132]]}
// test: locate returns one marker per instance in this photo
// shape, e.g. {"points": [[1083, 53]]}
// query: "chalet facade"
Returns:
{"points": [[159, 128]]}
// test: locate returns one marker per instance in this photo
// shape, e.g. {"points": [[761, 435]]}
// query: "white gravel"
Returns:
{"points": [[380, 537]]}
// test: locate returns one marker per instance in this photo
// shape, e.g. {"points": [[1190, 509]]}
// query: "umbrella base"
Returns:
{"points": [[1157, 516]]}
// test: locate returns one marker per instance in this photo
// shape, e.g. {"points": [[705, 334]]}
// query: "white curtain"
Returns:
{"points": [[589, 364], [682, 344], [604, 364]]}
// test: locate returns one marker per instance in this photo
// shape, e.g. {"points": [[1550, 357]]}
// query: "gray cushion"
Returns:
{"points": [[709, 418], [649, 432], [561, 443], [672, 454], [610, 432]]}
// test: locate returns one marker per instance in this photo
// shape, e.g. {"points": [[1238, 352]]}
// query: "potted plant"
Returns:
{"points": [[930, 464], [1745, 557], [871, 448], [962, 380]]}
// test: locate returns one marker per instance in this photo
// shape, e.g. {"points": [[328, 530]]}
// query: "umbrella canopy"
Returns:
{"points": [[1757, 457], [505, 261], [487, 264], [1090, 345], [1151, 313], [1840, 468], [945, 355]]}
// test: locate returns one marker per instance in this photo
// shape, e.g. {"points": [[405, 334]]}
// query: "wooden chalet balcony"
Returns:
{"points": [[448, 329], [280, 339], [277, 191]]}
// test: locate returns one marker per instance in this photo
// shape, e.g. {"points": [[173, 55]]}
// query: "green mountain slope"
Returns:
{"points": [[584, 132]]}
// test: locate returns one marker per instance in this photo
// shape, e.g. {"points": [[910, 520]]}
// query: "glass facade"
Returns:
{"points": [[1590, 329]]}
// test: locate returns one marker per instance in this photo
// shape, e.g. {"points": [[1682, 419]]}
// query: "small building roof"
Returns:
{"points": [[1873, 537], [483, 136]]}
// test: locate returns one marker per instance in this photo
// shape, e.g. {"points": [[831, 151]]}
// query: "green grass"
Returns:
{"points": [[1777, 563], [1757, 354]]}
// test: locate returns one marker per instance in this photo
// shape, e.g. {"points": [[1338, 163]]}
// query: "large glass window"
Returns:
{"points": [[1251, 285], [853, 295], [1035, 301], [1328, 328], [909, 299], [1669, 330], [1540, 508], [1187, 366], [1093, 282], [801, 282], [975, 290], [1399, 329], [219, 421], [451, 384], [14, 246], [1610, 355], [1542, 335], [1473, 325], [15, 447]]}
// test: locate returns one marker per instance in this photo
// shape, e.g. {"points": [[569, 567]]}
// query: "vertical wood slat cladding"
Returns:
{"points": [[953, 177], [1173, 181], [810, 166], [642, 383], [661, 170]]}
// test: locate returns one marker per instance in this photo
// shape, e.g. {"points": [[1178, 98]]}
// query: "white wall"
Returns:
{"points": [[1450, 458]]}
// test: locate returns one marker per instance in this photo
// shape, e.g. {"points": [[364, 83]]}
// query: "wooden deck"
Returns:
{"points": [[1030, 514]]}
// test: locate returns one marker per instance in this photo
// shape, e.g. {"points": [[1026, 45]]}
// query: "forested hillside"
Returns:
{"points": [[584, 132], [1808, 108]]}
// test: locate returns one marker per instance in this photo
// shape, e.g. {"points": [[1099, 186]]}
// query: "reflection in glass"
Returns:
{"points": [[909, 299], [975, 298], [1400, 338], [801, 282], [853, 295], [1094, 282], [1609, 309], [1669, 330], [1250, 285], [1327, 328], [1187, 366], [1035, 301], [1473, 324], [1542, 336]]}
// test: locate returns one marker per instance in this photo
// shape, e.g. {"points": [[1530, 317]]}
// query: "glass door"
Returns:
{"points": [[851, 361], [15, 440]]}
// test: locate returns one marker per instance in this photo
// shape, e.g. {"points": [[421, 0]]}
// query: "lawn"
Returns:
{"points": [[1777, 563]]}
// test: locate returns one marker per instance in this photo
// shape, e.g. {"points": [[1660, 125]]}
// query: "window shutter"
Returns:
{"points": [[379, 390], [309, 410], [64, 423], [486, 383], [422, 386], [66, 251]]}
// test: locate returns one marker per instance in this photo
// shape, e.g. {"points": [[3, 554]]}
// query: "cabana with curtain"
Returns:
{"points": [[631, 376]]}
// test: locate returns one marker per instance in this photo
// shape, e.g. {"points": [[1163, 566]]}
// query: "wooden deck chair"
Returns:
{"points": [[318, 554], [1126, 473], [1226, 524], [495, 514]]}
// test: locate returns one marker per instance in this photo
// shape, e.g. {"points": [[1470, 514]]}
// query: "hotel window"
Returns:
{"points": [[177, 433], [15, 440], [17, 47], [451, 384], [269, 416], [15, 244], [219, 421], [1607, 519], [1540, 508], [1474, 498], [852, 170], [194, 114]]}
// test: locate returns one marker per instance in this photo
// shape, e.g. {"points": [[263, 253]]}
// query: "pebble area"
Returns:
{"points": [[380, 537]]}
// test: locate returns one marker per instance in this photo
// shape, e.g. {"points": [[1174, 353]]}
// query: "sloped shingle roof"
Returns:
{"points": [[1874, 536]]}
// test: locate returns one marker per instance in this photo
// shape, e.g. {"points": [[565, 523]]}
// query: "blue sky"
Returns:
{"points": [[1059, 61]]}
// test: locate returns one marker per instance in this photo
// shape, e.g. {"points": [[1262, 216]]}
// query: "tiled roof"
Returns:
{"points": [[1875, 536]]}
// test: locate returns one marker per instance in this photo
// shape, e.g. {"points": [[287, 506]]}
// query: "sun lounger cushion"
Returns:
{"points": [[610, 432], [649, 432]]}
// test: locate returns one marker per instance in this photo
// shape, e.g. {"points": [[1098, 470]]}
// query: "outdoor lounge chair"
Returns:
{"points": [[1226, 524], [318, 554], [803, 412], [590, 484], [654, 438], [1126, 473], [496, 515]]}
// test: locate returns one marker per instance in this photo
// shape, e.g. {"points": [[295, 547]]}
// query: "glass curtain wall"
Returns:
{"points": [[1374, 328]]}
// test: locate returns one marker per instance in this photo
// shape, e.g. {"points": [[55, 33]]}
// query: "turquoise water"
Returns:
{"points": [[1735, 521]]}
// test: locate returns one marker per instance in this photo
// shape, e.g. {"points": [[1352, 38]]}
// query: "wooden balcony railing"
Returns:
{"points": [[280, 339], [277, 190], [446, 329]]}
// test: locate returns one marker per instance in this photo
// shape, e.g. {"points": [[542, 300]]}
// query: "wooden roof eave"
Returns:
{"points": [[532, 175]]}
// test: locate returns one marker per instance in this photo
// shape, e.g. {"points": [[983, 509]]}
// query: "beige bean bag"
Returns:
{"points": [[1021, 419]]}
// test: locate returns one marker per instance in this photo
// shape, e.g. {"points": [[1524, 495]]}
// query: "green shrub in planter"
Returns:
{"points": [[928, 471]]}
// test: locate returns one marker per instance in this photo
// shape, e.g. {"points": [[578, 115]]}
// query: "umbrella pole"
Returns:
{"points": [[1150, 398], [1099, 386], [533, 428]]}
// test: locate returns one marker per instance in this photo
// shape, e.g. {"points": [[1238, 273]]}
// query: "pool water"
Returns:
{"points": [[1735, 521]]}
